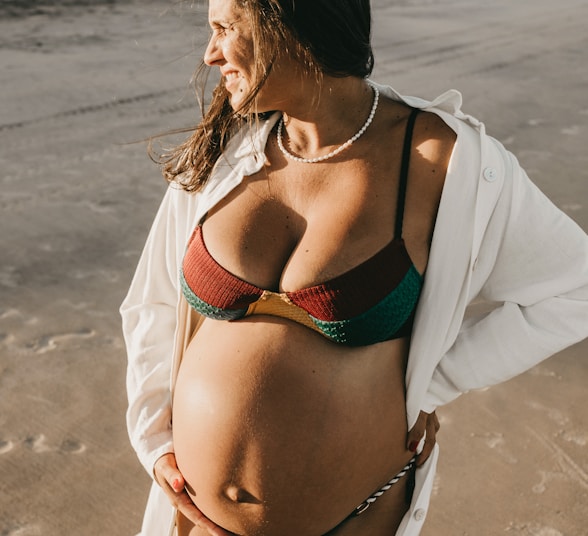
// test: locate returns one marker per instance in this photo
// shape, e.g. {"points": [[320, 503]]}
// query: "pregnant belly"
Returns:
{"points": [[279, 431]]}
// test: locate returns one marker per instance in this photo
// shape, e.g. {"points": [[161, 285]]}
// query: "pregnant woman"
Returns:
{"points": [[297, 313]]}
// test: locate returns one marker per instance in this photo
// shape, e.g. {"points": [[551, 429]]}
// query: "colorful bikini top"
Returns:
{"points": [[371, 303]]}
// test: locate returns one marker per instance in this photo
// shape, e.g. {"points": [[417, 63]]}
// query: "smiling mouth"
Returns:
{"points": [[231, 79]]}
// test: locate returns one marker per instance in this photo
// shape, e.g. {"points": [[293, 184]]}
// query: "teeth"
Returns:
{"points": [[231, 76]]}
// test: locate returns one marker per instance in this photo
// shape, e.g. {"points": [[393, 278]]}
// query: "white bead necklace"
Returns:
{"points": [[336, 151]]}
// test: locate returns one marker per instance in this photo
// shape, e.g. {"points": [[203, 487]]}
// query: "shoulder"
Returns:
{"points": [[433, 140], [433, 143]]}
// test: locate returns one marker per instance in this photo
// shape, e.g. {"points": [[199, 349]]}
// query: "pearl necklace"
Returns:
{"points": [[336, 151]]}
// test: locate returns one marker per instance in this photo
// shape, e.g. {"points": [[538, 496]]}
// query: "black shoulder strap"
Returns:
{"points": [[403, 179]]}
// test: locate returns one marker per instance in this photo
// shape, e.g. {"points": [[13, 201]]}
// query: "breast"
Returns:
{"points": [[271, 419]]}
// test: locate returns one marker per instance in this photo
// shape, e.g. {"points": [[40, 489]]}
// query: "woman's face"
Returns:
{"points": [[231, 50]]}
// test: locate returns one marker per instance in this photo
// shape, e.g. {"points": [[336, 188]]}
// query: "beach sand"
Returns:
{"points": [[80, 79]]}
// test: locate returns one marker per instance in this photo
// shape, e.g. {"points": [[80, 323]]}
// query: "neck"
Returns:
{"points": [[339, 109]]}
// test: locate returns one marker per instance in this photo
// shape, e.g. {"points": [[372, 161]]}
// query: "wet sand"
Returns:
{"points": [[80, 79]]}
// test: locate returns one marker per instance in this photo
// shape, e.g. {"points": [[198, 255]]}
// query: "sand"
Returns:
{"points": [[80, 79]]}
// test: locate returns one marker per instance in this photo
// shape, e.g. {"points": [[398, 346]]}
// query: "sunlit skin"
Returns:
{"points": [[277, 430], [230, 49]]}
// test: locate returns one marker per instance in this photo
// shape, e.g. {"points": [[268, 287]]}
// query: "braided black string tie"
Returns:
{"points": [[375, 496]]}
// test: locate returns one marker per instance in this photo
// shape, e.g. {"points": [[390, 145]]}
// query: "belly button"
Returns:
{"points": [[240, 495]]}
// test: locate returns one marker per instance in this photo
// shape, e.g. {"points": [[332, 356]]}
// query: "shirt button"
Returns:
{"points": [[420, 514], [490, 174]]}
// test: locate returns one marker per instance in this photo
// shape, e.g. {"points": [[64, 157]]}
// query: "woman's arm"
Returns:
{"points": [[533, 263], [149, 324]]}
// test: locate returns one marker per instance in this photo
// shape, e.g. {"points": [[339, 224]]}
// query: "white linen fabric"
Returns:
{"points": [[496, 238]]}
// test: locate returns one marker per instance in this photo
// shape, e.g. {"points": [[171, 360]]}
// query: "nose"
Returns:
{"points": [[212, 54]]}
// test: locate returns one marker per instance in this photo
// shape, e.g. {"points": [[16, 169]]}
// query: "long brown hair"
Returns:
{"points": [[330, 37]]}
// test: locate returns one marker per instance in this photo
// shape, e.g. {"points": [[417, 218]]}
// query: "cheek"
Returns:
{"points": [[243, 53]]}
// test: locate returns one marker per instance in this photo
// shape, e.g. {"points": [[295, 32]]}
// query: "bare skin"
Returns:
{"points": [[191, 521], [257, 479], [278, 431]]}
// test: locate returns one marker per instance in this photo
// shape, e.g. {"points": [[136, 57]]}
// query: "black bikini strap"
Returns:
{"points": [[404, 173]]}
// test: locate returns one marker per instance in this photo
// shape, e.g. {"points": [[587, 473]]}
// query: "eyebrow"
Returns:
{"points": [[224, 22]]}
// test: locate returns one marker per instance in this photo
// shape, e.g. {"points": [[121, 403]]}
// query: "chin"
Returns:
{"points": [[236, 101]]}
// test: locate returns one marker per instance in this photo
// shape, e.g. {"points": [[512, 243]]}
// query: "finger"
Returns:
{"points": [[430, 440], [435, 421], [194, 515], [171, 480], [416, 433], [166, 471]]}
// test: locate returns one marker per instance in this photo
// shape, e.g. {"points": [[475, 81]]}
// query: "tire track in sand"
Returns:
{"points": [[534, 37], [100, 107]]}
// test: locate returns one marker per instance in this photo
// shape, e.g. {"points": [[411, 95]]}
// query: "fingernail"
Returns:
{"points": [[413, 446], [176, 484]]}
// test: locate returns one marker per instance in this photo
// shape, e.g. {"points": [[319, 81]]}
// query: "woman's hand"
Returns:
{"points": [[173, 484], [426, 423]]}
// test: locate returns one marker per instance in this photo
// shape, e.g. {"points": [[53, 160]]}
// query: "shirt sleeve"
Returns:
{"points": [[533, 265], [149, 321]]}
